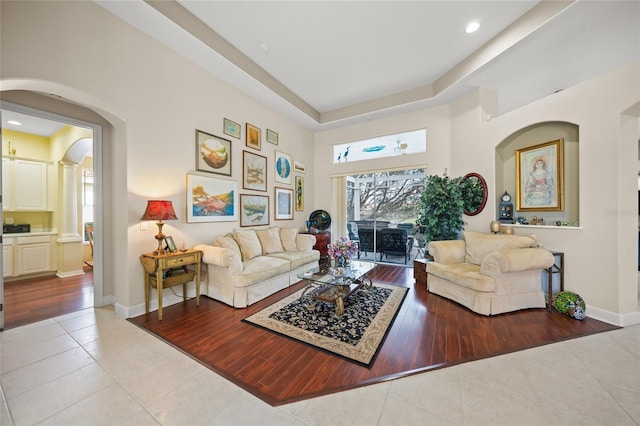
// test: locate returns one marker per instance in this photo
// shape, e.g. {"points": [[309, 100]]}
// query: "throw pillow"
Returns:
{"points": [[478, 245], [288, 238], [248, 242], [228, 242], [270, 240]]}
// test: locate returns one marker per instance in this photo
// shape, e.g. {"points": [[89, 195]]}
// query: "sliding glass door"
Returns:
{"points": [[381, 212]]}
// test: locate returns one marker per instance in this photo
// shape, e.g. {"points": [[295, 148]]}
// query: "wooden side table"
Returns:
{"points": [[323, 239], [556, 268], [420, 271], [155, 266]]}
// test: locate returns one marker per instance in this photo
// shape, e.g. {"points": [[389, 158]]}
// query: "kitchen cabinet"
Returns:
{"points": [[25, 184], [7, 257], [34, 254]]}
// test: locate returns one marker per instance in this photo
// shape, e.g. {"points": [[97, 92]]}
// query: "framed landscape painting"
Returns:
{"points": [[254, 171], [283, 167], [540, 177], [272, 137], [254, 210], [211, 199], [299, 167], [213, 154], [284, 203], [231, 128]]}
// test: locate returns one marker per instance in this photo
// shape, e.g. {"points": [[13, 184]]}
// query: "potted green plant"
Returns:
{"points": [[440, 208]]}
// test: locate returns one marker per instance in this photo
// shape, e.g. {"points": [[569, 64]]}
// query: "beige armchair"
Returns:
{"points": [[489, 274]]}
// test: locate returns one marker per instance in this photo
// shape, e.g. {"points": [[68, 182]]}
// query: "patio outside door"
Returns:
{"points": [[384, 200]]}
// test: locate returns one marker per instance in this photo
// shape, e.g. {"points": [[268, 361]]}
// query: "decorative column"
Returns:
{"points": [[69, 240]]}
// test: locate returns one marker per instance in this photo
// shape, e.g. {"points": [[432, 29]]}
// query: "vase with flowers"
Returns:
{"points": [[342, 251]]}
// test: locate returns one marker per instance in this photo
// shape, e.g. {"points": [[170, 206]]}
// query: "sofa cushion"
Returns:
{"points": [[298, 258], [478, 245], [288, 238], [248, 242], [228, 242], [260, 269], [463, 274], [270, 240]]}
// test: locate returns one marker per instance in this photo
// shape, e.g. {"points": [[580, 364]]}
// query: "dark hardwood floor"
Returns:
{"points": [[37, 299], [429, 332]]}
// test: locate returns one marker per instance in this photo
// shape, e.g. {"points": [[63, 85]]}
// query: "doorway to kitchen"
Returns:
{"points": [[46, 264]]}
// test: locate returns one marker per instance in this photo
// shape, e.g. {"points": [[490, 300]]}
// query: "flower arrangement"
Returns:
{"points": [[342, 248]]}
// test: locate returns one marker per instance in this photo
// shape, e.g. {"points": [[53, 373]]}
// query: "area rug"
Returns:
{"points": [[357, 335]]}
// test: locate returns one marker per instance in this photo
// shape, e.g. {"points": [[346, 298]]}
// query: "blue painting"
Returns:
{"points": [[283, 167]]}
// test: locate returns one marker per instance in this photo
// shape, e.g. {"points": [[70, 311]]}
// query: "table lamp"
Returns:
{"points": [[159, 210]]}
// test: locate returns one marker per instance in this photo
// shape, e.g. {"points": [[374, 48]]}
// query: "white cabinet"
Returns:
{"points": [[25, 184], [34, 254], [30, 182], [7, 257]]}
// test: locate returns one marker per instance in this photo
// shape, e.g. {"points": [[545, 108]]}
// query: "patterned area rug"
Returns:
{"points": [[357, 335]]}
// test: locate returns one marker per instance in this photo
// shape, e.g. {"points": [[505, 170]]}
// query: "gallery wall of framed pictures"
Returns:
{"points": [[216, 199]]}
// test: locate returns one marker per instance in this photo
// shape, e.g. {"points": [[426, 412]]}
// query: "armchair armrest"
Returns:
{"points": [[516, 260], [447, 252], [219, 256], [305, 241]]}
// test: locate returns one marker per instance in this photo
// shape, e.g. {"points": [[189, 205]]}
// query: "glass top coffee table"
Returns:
{"points": [[335, 285]]}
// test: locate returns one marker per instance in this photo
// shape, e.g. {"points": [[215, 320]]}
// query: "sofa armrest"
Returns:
{"points": [[305, 242], [219, 256], [516, 260], [448, 252]]}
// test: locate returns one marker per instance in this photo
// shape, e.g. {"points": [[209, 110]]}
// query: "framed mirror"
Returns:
{"points": [[474, 193]]}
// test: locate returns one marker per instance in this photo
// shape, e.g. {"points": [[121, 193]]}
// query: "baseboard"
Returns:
{"points": [[168, 299], [622, 320], [70, 273]]}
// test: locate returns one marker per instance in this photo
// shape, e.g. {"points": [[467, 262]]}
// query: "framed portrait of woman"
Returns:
{"points": [[540, 177]]}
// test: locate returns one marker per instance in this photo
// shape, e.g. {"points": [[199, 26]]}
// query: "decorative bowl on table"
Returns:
{"points": [[338, 272]]}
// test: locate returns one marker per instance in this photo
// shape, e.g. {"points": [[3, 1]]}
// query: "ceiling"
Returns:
{"points": [[333, 63], [327, 64]]}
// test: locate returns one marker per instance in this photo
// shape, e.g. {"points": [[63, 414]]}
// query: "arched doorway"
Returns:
{"points": [[13, 101]]}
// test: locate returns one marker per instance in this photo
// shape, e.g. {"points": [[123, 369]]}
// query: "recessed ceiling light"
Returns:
{"points": [[14, 122], [265, 47], [472, 27]]}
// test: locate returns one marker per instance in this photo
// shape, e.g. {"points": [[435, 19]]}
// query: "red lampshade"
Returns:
{"points": [[159, 210]]}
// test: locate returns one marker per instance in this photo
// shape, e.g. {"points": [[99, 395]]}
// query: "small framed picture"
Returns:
{"points": [[299, 167], [299, 193], [254, 174], [170, 244], [272, 137], [284, 203], [213, 154], [283, 167], [254, 210], [231, 128], [252, 135]]}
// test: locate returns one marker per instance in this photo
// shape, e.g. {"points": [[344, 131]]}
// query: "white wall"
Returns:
{"points": [[155, 99]]}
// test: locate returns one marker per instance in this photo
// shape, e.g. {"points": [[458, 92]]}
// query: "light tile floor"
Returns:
{"points": [[94, 368]]}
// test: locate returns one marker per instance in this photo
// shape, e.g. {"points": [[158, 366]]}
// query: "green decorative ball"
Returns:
{"points": [[570, 304]]}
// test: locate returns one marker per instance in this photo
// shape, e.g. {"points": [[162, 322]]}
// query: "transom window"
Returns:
{"points": [[411, 142]]}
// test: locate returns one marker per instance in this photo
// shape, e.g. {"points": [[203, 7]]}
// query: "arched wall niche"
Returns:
{"points": [[533, 135]]}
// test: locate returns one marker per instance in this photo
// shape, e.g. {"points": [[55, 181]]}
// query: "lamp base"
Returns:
{"points": [[160, 237]]}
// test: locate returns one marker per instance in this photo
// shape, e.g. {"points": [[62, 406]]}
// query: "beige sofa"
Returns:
{"points": [[248, 265], [489, 274]]}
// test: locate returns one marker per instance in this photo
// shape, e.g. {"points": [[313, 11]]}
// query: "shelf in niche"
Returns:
{"points": [[517, 225]]}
